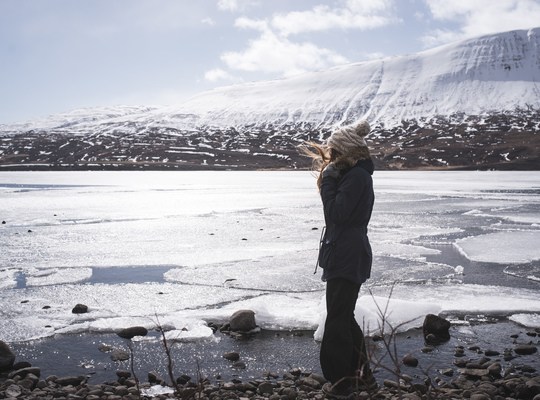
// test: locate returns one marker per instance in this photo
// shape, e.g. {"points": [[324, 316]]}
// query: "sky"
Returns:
{"points": [[61, 55]]}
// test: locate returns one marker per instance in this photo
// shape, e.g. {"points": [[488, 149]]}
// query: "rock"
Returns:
{"points": [[265, 388], [460, 363], [21, 373], [239, 365], [525, 349], [295, 372], [376, 337], [119, 355], [474, 365], [474, 372], [29, 382], [533, 386], [495, 369], [130, 333], [154, 377], [394, 385], [121, 391], [428, 349], [480, 396], [436, 326], [319, 378], [242, 321], [491, 353], [487, 388], [21, 365], [310, 382], [183, 379], [410, 360], [13, 391], [105, 348], [447, 372], [7, 358], [289, 393], [231, 356], [459, 352], [70, 380], [528, 368], [80, 309], [123, 374]]}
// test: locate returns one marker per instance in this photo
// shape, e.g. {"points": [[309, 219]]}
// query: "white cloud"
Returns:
{"points": [[235, 5], [208, 21], [248, 23], [354, 14], [274, 51], [481, 17], [228, 5], [217, 74], [271, 53]]}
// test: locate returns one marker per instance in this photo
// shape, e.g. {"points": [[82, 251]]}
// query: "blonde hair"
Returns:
{"points": [[321, 155]]}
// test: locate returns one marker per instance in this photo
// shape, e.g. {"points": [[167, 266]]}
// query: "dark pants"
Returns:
{"points": [[343, 349]]}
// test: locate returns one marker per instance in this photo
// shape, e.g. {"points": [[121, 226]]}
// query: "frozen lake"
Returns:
{"points": [[192, 247]]}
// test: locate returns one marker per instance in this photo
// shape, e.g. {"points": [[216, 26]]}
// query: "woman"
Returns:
{"points": [[346, 189]]}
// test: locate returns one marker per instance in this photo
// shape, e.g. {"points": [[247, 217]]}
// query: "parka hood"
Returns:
{"points": [[367, 165]]}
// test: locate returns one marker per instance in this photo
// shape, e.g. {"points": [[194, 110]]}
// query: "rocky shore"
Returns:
{"points": [[472, 371], [479, 382]]}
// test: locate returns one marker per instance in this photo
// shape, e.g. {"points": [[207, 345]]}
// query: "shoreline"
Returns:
{"points": [[479, 358]]}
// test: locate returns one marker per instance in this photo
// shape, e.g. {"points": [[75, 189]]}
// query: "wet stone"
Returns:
{"points": [[80, 309], [231, 356], [119, 355], [265, 388], [525, 349], [410, 361], [131, 332]]}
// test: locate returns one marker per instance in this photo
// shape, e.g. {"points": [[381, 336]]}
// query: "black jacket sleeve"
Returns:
{"points": [[340, 197]]}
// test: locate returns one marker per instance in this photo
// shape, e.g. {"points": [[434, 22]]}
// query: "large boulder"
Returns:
{"points": [[242, 321], [80, 309], [525, 349], [436, 329], [7, 358], [131, 332], [70, 380]]}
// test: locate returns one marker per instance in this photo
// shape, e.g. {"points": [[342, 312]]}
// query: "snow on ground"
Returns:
{"points": [[55, 276], [508, 247], [8, 278], [248, 240], [528, 320]]}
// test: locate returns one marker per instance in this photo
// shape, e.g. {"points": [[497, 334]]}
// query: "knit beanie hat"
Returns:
{"points": [[349, 138]]}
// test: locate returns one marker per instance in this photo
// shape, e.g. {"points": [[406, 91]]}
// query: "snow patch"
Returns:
{"points": [[507, 247], [528, 320]]}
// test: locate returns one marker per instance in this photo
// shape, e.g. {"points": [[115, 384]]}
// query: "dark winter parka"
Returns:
{"points": [[348, 202]]}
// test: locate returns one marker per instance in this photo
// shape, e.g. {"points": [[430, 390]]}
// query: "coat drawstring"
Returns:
{"points": [[320, 245]]}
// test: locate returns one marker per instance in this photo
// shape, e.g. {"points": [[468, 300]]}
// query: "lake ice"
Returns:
{"points": [[192, 247]]}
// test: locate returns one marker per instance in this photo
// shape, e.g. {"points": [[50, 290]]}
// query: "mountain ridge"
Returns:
{"points": [[454, 88]]}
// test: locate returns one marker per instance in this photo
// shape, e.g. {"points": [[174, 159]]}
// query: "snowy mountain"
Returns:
{"points": [[488, 74], [473, 103]]}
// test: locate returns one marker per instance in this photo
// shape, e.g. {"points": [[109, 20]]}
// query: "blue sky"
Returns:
{"points": [[60, 55]]}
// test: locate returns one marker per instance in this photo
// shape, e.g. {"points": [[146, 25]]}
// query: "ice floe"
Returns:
{"points": [[507, 247]]}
